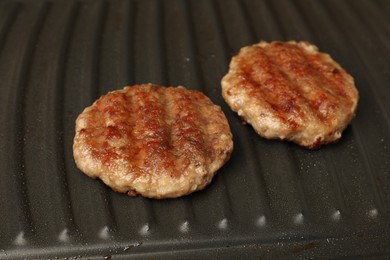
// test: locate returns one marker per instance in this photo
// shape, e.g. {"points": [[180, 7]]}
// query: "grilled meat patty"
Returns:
{"points": [[290, 90], [160, 142]]}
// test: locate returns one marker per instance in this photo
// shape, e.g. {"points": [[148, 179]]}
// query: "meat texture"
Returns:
{"points": [[290, 90], [160, 142]]}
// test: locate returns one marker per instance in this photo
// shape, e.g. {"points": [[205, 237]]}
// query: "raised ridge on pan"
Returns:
{"points": [[271, 199]]}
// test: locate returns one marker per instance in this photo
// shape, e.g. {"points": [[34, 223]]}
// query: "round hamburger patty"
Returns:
{"points": [[290, 90], [160, 142]]}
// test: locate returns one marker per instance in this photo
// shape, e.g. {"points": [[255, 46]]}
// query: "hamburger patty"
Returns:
{"points": [[290, 90], [160, 142]]}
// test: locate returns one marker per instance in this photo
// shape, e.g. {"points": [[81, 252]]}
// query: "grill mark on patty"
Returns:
{"points": [[128, 151], [316, 72], [335, 76], [131, 152], [204, 126], [275, 88], [212, 149], [189, 139], [331, 75], [296, 100], [304, 79], [245, 73], [168, 119], [152, 138], [101, 136]]}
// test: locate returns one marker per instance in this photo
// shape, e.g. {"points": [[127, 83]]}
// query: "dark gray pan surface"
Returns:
{"points": [[271, 200]]}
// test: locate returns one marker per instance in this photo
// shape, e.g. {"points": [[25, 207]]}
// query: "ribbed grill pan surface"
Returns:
{"points": [[273, 199]]}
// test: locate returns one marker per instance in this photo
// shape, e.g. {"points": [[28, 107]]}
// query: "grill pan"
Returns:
{"points": [[272, 199]]}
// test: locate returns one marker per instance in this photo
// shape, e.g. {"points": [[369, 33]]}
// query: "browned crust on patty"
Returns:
{"points": [[160, 142], [290, 90]]}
